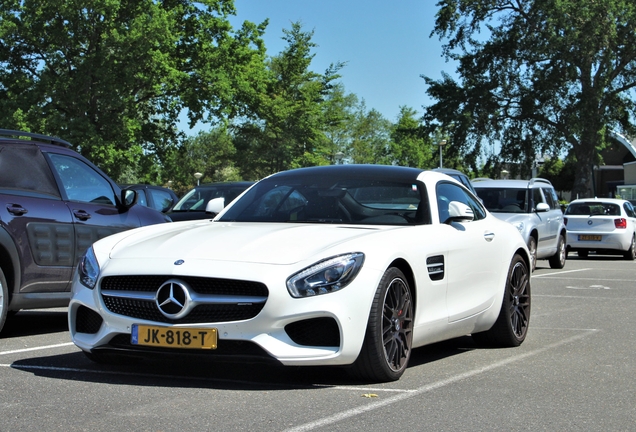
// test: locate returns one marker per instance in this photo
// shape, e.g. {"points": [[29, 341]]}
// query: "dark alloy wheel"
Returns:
{"points": [[511, 326], [387, 344]]}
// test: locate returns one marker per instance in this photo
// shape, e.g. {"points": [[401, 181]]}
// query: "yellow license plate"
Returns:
{"points": [[173, 337], [590, 238]]}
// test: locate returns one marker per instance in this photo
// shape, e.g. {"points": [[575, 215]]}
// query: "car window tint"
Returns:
{"points": [[141, 198], [549, 198], [629, 209], [81, 182], [13, 175], [537, 197], [447, 192], [503, 200]]}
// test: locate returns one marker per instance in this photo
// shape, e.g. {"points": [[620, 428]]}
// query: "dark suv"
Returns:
{"points": [[54, 204]]}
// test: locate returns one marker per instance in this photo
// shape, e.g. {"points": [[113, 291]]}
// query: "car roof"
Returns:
{"points": [[598, 200], [371, 171], [18, 137]]}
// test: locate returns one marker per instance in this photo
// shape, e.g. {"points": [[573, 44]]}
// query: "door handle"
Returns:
{"points": [[16, 209], [489, 236], [81, 215]]}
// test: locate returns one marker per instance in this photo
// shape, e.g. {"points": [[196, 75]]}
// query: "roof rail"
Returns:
{"points": [[478, 179], [34, 137], [538, 180]]}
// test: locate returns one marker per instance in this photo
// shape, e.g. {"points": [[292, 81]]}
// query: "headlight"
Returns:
{"points": [[325, 277], [519, 226], [88, 269]]}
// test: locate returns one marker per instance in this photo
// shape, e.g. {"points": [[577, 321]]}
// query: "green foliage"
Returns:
{"points": [[539, 76], [113, 76]]}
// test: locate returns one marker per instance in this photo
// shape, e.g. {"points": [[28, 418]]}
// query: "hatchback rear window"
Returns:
{"points": [[594, 209]]}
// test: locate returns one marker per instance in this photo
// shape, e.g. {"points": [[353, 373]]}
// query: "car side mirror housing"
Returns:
{"points": [[542, 207], [129, 197], [458, 212], [215, 205]]}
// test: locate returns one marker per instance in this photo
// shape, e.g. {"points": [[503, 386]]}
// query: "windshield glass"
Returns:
{"points": [[504, 200], [198, 198], [346, 200]]}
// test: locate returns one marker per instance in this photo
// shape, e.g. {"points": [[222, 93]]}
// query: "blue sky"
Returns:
{"points": [[386, 45]]}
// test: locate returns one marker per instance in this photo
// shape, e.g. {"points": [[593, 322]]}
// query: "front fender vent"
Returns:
{"points": [[435, 266]]}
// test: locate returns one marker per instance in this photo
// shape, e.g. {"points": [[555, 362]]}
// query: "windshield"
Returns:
{"points": [[197, 198], [504, 200], [346, 200]]}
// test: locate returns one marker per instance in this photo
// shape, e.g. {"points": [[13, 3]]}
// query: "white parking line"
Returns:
{"points": [[35, 348], [427, 388], [559, 273]]}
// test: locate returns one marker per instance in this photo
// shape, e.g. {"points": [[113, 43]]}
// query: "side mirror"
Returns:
{"points": [[129, 197], [458, 212], [215, 205], [542, 207]]}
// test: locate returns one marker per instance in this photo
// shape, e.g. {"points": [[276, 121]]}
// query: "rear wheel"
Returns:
{"points": [[4, 299], [532, 247], [511, 326], [557, 261], [387, 343], [630, 254]]}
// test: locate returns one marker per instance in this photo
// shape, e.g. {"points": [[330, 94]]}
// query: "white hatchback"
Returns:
{"points": [[604, 225]]}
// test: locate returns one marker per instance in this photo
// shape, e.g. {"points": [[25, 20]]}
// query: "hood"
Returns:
{"points": [[266, 243]]}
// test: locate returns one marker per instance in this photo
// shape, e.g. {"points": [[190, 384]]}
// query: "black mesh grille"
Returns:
{"points": [[87, 321], [315, 332], [211, 313]]}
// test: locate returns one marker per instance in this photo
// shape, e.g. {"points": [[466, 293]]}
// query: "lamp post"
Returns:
{"points": [[441, 144], [198, 175]]}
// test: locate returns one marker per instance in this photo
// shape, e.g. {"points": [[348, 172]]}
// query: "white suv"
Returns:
{"points": [[533, 207]]}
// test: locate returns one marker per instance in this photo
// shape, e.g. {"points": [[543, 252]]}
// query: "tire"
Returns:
{"points": [[4, 299], [582, 253], [532, 247], [387, 343], [511, 326], [557, 261], [630, 254]]}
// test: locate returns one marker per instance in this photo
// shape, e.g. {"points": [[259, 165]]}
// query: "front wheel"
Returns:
{"points": [[557, 261], [511, 326], [532, 247], [387, 343]]}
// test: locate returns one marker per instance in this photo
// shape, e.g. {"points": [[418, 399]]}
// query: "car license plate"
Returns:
{"points": [[590, 238], [174, 337]]}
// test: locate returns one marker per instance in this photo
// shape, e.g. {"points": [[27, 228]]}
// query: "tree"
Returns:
{"points": [[545, 77], [285, 127], [113, 76], [408, 145], [370, 137]]}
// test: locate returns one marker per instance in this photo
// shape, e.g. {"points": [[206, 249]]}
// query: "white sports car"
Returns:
{"points": [[335, 265]]}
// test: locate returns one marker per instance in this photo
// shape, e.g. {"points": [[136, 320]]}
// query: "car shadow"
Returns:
{"points": [[34, 322], [197, 373]]}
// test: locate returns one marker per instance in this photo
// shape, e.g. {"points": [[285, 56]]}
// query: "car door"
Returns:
{"points": [[92, 201], [37, 220], [472, 256]]}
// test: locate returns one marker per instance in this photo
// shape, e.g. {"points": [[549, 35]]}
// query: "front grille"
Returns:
{"points": [[315, 332], [147, 309], [87, 320]]}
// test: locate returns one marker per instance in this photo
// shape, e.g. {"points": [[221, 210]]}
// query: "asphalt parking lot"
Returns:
{"points": [[576, 371]]}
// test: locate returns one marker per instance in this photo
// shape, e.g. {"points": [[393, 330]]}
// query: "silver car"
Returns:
{"points": [[533, 207]]}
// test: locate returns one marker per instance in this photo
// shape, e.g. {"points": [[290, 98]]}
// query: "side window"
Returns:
{"points": [[141, 198], [629, 209], [447, 192], [23, 168], [81, 182], [163, 200], [549, 199], [537, 197]]}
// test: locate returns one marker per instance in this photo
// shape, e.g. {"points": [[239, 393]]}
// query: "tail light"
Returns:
{"points": [[620, 223]]}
